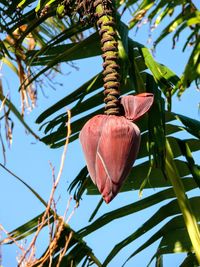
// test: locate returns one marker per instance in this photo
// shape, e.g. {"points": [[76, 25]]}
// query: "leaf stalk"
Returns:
{"points": [[184, 204]]}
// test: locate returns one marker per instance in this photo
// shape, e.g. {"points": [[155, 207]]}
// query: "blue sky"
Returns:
{"points": [[29, 159]]}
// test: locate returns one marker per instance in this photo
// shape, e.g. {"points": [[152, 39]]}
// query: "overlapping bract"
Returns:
{"points": [[110, 144]]}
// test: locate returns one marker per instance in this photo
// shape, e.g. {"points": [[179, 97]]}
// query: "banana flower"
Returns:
{"points": [[111, 143]]}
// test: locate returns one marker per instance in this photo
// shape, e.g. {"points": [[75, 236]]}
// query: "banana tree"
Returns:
{"points": [[128, 68]]}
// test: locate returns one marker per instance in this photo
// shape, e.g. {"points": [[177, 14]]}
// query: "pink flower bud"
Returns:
{"points": [[111, 143]]}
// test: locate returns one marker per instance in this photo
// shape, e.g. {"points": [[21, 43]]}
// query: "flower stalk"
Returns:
{"points": [[104, 14]]}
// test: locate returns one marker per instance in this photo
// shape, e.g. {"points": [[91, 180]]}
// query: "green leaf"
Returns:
{"points": [[140, 12], [166, 79], [175, 143], [28, 228], [79, 249], [164, 212], [191, 223], [32, 226], [134, 207], [77, 254], [192, 69], [123, 51], [90, 86], [156, 124], [79, 184], [46, 48], [62, 53], [175, 23], [10, 65], [190, 261], [176, 241], [191, 125], [25, 184], [174, 224], [10, 105], [87, 48], [138, 173], [186, 151]]}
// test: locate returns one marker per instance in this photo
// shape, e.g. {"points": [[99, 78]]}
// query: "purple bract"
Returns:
{"points": [[111, 143]]}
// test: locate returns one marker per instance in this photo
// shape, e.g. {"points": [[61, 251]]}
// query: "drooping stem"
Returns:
{"points": [[104, 13]]}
